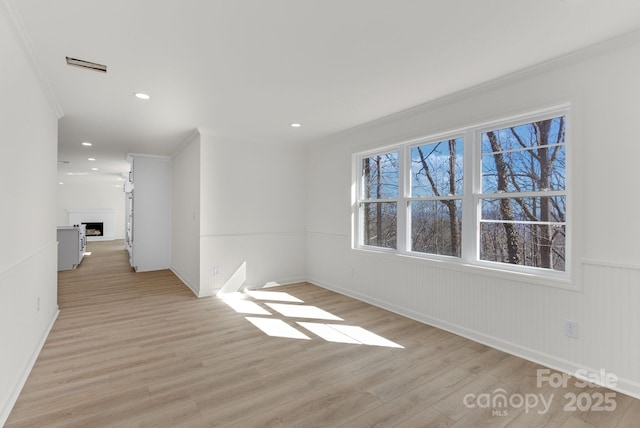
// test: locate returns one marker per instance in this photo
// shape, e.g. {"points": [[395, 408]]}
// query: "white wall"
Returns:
{"points": [[91, 196], [511, 312], [28, 249], [185, 213], [252, 214], [151, 225]]}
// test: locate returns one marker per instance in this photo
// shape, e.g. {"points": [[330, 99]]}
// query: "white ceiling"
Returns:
{"points": [[248, 68]]}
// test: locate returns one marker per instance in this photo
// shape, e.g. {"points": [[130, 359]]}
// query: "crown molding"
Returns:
{"points": [[195, 133], [12, 18], [629, 39]]}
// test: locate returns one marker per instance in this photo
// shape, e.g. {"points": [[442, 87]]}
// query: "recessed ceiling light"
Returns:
{"points": [[60, 182], [86, 143], [142, 96], [91, 159], [295, 125], [94, 169]]}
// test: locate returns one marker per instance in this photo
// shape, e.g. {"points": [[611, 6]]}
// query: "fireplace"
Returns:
{"points": [[94, 229], [99, 223]]}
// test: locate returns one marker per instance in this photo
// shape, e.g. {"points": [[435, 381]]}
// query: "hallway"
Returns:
{"points": [[138, 349]]}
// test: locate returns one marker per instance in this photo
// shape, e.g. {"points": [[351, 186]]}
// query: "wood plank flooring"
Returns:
{"points": [[139, 350]]}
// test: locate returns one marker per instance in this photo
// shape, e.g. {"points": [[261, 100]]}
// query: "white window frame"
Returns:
{"points": [[410, 198], [358, 228], [471, 197]]}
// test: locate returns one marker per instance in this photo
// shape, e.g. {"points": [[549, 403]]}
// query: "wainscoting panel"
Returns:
{"points": [[525, 319], [251, 261], [30, 287]]}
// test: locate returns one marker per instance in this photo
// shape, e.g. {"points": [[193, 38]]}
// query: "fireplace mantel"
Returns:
{"points": [[106, 217]]}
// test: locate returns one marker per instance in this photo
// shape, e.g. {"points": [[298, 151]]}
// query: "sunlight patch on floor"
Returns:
{"points": [[348, 334], [303, 311], [274, 296], [364, 336], [276, 328], [287, 319], [327, 332], [246, 307]]}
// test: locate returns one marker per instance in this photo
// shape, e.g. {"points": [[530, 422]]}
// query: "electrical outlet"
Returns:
{"points": [[38, 304], [216, 270], [571, 328]]}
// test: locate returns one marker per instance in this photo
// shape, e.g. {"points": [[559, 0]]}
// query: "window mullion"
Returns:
{"points": [[471, 186], [404, 167], [535, 234]]}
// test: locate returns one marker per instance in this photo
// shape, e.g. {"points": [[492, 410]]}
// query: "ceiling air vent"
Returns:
{"points": [[86, 64]]}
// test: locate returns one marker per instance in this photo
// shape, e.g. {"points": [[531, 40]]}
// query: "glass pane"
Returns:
{"points": [[535, 245], [380, 176], [552, 208], [436, 227], [379, 224], [436, 169], [527, 165], [528, 135]]}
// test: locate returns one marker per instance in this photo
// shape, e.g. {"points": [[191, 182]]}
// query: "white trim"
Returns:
{"points": [[528, 194], [525, 275], [144, 155], [623, 386], [472, 196], [523, 118], [287, 281], [548, 223], [13, 398], [25, 260], [227, 235], [522, 149], [403, 221], [14, 21], [195, 134], [576, 57], [603, 263], [184, 281]]}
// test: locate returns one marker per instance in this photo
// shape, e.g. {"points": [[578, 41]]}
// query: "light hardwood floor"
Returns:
{"points": [[139, 350]]}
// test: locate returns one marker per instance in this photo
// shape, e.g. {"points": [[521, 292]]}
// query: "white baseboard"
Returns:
{"points": [[185, 282], [622, 385], [288, 281], [262, 286], [6, 411]]}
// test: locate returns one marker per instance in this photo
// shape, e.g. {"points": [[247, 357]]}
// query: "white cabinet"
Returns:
{"points": [[148, 226], [72, 241]]}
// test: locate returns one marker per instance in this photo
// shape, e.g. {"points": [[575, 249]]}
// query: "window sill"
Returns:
{"points": [[487, 269]]}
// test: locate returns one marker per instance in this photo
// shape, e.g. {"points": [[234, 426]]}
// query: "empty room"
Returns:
{"points": [[279, 213]]}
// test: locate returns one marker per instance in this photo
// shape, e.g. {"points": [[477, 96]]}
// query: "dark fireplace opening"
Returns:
{"points": [[94, 229]]}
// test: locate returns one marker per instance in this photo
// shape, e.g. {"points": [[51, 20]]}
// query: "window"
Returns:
{"points": [[435, 202], [523, 198], [379, 200], [506, 183]]}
